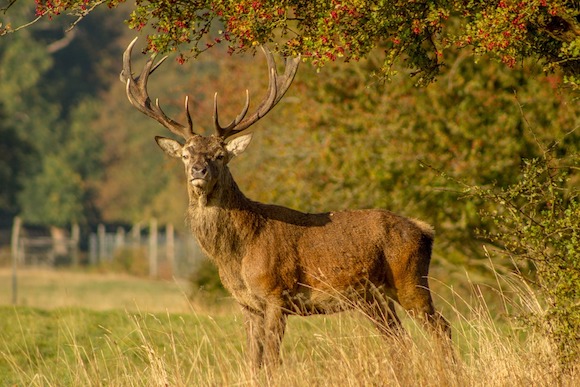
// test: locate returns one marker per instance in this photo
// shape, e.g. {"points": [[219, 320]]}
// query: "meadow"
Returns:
{"points": [[76, 328]]}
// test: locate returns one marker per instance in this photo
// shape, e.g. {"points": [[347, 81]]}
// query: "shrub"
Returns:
{"points": [[536, 223], [205, 283]]}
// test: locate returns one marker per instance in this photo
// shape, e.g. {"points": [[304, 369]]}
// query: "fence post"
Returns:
{"points": [[153, 248], [170, 247], [93, 249], [136, 234], [120, 238], [102, 236], [75, 240], [15, 239]]}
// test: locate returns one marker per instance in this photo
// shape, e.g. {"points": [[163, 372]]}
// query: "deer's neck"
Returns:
{"points": [[224, 221]]}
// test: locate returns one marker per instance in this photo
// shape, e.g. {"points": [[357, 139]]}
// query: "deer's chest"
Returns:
{"points": [[235, 283]]}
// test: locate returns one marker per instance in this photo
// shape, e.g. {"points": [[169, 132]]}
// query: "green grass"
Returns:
{"points": [[114, 345], [61, 288], [75, 346]]}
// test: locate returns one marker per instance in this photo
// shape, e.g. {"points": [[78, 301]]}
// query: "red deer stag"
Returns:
{"points": [[276, 261]]}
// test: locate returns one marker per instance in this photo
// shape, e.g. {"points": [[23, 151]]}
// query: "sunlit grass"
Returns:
{"points": [[45, 288], [81, 346]]}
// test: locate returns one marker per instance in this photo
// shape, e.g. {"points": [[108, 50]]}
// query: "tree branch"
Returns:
{"points": [[61, 43], [9, 30], [8, 6]]}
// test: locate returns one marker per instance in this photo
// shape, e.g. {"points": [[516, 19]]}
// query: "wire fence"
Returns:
{"points": [[161, 251]]}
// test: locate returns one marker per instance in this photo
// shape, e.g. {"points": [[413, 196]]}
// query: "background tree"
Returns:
{"points": [[24, 62], [16, 157], [47, 82]]}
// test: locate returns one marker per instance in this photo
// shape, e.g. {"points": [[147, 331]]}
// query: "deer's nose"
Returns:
{"points": [[199, 172]]}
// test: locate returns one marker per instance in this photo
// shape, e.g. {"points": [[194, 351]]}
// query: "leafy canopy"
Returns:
{"points": [[416, 33]]}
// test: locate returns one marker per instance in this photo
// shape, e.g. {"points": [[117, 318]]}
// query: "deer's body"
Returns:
{"points": [[304, 262], [276, 261]]}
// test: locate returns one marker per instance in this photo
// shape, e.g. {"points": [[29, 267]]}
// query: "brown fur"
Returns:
{"points": [[276, 261]]}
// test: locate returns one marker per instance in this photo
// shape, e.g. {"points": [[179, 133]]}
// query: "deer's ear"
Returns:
{"points": [[169, 146], [238, 144]]}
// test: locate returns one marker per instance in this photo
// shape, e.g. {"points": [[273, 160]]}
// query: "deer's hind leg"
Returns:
{"points": [[417, 300], [381, 311], [384, 316]]}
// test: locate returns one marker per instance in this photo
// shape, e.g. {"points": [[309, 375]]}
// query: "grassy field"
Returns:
{"points": [[59, 288], [75, 328]]}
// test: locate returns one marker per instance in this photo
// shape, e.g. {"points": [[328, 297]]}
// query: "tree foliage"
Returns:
{"points": [[416, 33], [345, 143], [48, 83], [15, 163]]}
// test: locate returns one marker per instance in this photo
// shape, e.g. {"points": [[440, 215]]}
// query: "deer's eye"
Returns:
{"points": [[185, 157], [220, 157]]}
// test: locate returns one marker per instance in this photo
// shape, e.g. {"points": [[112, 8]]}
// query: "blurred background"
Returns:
{"points": [[110, 287]]}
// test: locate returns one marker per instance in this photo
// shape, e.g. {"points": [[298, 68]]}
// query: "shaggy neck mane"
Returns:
{"points": [[223, 220]]}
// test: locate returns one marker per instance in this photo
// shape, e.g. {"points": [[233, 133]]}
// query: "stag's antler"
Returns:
{"points": [[138, 96], [278, 85], [137, 93]]}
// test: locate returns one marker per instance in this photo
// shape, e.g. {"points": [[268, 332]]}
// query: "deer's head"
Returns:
{"points": [[205, 157]]}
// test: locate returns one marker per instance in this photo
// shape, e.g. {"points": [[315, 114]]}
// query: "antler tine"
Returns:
{"points": [[223, 131], [277, 87], [126, 72], [189, 121], [137, 94], [157, 64]]}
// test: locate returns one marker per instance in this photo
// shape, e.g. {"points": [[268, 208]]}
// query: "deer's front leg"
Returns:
{"points": [[275, 325], [254, 324]]}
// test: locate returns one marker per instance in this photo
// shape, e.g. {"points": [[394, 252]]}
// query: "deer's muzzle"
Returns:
{"points": [[198, 172], [199, 176]]}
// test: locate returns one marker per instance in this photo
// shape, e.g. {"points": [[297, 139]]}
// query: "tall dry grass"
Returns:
{"points": [[147, 349]]}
